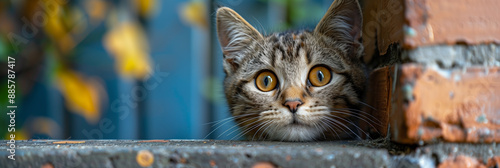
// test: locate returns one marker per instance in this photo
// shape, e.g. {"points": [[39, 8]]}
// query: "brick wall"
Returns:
{"points": [[435, 69]]}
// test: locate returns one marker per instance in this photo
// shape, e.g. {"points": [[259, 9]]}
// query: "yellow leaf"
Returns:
{"points": [[195, 13], [96, 10], [82, 96], [20, 134], [44, 125], [134, 65], [127, 43], [57, 26], [76, 21], [146, 8]]}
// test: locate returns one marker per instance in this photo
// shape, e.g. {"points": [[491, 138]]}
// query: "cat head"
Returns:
{"points": [[294, 86]]}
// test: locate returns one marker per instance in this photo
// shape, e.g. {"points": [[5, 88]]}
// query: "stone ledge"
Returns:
{"points": [[210, 153]]}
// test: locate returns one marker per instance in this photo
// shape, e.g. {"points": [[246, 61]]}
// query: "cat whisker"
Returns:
{"points": [[350, 122], [260, 136], [245, 126], [330, 128], [316, 109], [366, 104], [262, 126], [227, 120], [361, 118], [360, 128], [248, 119], [238, 124], [250, 128], [359, 111], [317, 125], [261, 27], [283, 137], [269, 112], [367, 118], [210, 133], [333, 122]]}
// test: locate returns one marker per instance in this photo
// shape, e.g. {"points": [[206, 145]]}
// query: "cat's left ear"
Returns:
{"points": [[343, 21], [235, 34]]}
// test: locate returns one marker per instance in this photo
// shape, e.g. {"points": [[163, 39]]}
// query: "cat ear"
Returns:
{"points": [[234, 34], [342, 21]]}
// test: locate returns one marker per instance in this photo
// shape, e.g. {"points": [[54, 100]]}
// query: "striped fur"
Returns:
{"points": [[334, 43]]}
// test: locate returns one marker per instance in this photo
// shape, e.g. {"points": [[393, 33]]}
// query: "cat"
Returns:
{"points": [[295, 86]]}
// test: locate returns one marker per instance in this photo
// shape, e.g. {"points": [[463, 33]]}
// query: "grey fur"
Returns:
{"points": [[334, 43]]}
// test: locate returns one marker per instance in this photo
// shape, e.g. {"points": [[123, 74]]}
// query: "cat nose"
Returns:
{"points": [[293, 104]]}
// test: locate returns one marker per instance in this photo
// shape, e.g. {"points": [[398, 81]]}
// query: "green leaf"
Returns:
{"points": [[3, 49]]}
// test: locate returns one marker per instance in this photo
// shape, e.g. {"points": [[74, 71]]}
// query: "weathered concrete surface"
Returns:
{"points": [[209, 153], [457, 56], [450, 155], [443, 56], [198, 153], [455, 105]]}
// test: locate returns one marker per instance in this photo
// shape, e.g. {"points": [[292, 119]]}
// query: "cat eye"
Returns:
{"points": [[266, 81], [319, 76]]}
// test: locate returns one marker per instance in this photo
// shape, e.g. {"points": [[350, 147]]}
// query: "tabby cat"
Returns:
{"points": [[294, 86]]}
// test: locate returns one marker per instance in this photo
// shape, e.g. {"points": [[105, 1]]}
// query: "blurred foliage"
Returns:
{"points": [[213, 90], [127, 43], [298, 12], [83, 96], [56, 29], [55, 35], [42, 126], [146, 8], [195, 13]]}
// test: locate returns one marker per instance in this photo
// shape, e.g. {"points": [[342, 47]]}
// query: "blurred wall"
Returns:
{"points": [[181, 99]]}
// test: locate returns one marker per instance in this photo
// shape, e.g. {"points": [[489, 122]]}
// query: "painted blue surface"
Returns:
{"points": [[170, 106]]}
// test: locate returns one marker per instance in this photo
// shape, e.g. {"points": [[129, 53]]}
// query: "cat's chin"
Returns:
{"points": [[295, 132]]}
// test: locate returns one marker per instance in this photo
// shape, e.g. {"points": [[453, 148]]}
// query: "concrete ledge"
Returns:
{"points": [[209, 153], [193, 153]]}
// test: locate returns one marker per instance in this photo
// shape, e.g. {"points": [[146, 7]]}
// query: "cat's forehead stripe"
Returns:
{"points": [[288, 46]]}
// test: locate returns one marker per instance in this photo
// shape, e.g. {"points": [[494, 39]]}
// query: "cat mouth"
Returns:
{"points": [[296, 122]]}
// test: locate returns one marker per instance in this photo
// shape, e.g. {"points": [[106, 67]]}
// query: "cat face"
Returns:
{"points": [[294, 86]]}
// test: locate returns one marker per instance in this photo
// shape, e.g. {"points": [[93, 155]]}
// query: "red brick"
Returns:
{"points": [[468, 161], [494, 161], [450, 22], [461, 161], [414, 23], [431, 104]]}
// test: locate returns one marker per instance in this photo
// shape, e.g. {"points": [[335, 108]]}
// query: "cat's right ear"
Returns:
{"points": [[234, 33]]}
